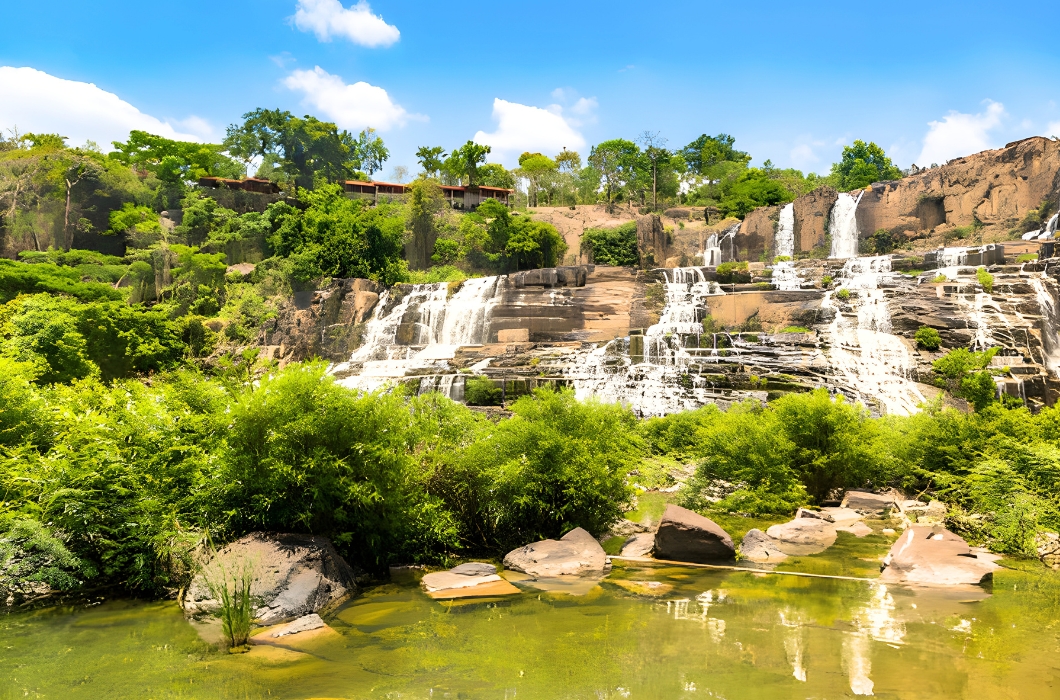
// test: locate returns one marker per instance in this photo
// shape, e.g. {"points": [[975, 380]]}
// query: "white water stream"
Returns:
{"points": [[866, 358], [843, 226]]}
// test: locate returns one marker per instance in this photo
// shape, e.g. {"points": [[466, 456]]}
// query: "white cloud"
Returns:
{"points": [[1052, 129], [35, 101], [960, 134], [352, 107], [524, 128], [803, 156], [328, 19]]}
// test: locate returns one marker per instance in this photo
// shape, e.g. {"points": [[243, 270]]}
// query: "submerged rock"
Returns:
{"points": [[639, 545], [803, 536], [687, 536], [760, 547], [292, 576], [935, 556], [575, 554], [305, 623]]}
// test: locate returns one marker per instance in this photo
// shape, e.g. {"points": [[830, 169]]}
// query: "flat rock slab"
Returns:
{"points": [[819, 514], [866, 502], [488, 589], [302, 624], [639, 545], [858, 529], [759, 547], [575, 554], [474, 568], [448, 580], [803, 536], [935, 556], [687, 536], [843, 516], [292, 575]]}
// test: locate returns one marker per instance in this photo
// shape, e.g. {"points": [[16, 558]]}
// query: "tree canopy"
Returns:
{"points": [[863, 164]]}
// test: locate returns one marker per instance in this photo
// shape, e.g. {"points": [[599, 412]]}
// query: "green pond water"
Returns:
{"points": [[714, 634]]}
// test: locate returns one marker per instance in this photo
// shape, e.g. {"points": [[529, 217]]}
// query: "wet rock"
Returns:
{"points": [[869, 503], [448, 581], [687, 536], [302, 624], [292, 576], [574, 554], [935, 556], [474, 568], [803, 536], [759, 547], [639, 545], [819, 514]]}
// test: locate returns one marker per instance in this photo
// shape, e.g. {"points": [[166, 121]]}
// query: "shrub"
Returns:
{"points": [[480, 391], [928, 338], [843, 294], [826, 280], [794, 329], [985, 279], [612, 246], [939, 278], [237, 607], [1026, 257], [733, 273]]}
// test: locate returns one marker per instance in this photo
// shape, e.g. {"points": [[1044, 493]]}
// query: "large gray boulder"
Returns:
{"points": [[687, 536], [575, 554], [935, 556], [292, 576], [803, 536], [639, 545], [759, 547]]}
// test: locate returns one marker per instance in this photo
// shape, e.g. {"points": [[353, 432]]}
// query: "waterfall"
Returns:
{"points": [[1050, 323], [712, 253], [866, 358], [784, 241], [720, 248], [422, 330], [843, 226]]}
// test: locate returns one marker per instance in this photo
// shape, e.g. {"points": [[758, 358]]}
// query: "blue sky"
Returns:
{"points": [[791, 81]]}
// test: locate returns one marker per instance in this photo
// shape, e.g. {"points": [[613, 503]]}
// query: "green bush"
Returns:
{"points": [[480, 391], [843, 294], [928, 338], [985, 279], [20, 278], [794, 329], [733, 273], [612, 246], [1026, 257]]}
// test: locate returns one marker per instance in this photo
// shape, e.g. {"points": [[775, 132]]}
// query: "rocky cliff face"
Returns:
{"points": [[993, 189]]}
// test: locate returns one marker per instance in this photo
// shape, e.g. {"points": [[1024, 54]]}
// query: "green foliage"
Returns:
{"points": [[939, 278], [237, 607], [338, 237], [962, 370], [707, 151], [880, 243], [31, 554], [795, 329], [985, 279], [612, 246], [928, 338], [480, 391], [19, 278], [959, 362], [1026, 257], [752, 189], [733, 272], [826, 280], [863, 164], [174, 162], [463, 163], [842, 294]]}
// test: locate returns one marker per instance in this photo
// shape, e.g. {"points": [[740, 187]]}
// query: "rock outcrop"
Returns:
{"points": [[868, 503], [803, 536], [575, 554], [687, 536], [759, 547], [639, 545], [811, 218], [292, 576], [652, 241], [935, 556]]}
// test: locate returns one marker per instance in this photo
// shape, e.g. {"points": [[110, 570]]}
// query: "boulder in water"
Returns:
{"points": [[759, 547], [292, 576], [687, 536], [639, 545], [935, 556], [803, 536], [575, 554]]}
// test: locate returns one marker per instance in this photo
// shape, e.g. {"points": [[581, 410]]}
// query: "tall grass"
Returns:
{"points": [[237, 609]]}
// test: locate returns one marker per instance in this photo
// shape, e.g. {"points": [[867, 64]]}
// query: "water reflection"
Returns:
{"points": [[794, 641]]}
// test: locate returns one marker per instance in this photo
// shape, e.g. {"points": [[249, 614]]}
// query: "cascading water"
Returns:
{"points": [[843, 226], [431, 326], [784, 241], [1050, 323], [720, 247], [649, 372], [866, 358]]}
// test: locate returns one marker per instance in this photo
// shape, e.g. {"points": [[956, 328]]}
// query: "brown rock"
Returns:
{"points": [[760, 547], [868, 502], [935, 556], [639, 545], [803, 536], [687, 536], [574, 554]]}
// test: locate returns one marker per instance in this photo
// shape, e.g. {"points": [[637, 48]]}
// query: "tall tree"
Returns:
{"points": [[431, 159], [464, 162], [863, 164], [371, 152], [535, 166], [614, 160], [707, 151], [655, 153]]}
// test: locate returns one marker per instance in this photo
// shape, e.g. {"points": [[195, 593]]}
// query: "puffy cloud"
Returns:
{"points": [[35, 101], [328, 19], [352, 107], [524, 128], [960, 134]]}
